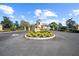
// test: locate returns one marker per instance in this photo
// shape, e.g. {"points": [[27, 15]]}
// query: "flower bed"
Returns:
{"points": [[39, 34]]}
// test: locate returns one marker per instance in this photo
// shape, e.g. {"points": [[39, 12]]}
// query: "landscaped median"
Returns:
{"points": [[40, 35]]}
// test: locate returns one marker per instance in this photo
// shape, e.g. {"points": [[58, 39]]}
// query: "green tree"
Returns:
{"points": [[13, 27], [53, 26], [63, 28], [70, 24], [59, 26], [6, 22], [25, 25], [16, 24]]}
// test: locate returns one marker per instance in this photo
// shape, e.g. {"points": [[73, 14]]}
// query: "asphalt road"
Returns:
{"points": [[15, 44]]}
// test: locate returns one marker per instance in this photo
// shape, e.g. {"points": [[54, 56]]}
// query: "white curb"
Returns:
{"points": [[36, 38]]}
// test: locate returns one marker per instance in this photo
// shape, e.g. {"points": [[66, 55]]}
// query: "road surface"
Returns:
{"points": [[15, 44]]}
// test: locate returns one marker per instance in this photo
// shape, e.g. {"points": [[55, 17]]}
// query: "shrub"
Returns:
{"points": [[75, 31], [13, 27], [63, 28], [29, 35]]}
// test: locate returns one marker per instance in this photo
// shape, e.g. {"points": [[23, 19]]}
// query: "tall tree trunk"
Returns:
{"points": [[25, 28], [29, 28]]}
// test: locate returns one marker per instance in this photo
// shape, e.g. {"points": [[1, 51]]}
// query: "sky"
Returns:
{"points": [[47, 12]]}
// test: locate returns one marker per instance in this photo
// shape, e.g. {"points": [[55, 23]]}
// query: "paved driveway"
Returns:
{"points": [[15, 44]]}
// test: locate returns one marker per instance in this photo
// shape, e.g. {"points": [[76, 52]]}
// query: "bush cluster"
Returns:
{"points": [[74, 31], [39, 34]]}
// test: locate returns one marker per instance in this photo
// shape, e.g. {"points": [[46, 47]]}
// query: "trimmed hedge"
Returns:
{"points": [[75, 31], [39, 34]]}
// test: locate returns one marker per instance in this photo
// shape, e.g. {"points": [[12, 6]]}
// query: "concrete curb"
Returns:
{"points": [[47, 38], [12, 32]]}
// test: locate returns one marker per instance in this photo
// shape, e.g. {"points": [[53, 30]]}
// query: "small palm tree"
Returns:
{"points": [[25, 25]]}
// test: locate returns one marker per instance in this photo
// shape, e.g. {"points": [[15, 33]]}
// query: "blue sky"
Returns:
{"points": [[48, 12]]}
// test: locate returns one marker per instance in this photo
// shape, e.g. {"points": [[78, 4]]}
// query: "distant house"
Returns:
{"points": [[77, 27], [1, 27], [40, 26]]}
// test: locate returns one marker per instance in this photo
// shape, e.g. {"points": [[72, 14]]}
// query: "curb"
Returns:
{"points": [[47, 38], [12, 32]]}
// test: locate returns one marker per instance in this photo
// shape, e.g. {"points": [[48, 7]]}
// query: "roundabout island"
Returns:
{"points": [[39, 31], [41, 35]]}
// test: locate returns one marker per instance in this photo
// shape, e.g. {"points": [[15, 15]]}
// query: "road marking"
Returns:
{"points": [[15, 34]]}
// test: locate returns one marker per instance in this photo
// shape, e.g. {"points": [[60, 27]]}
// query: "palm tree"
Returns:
{"points": [[70, 24], [25, 25]]}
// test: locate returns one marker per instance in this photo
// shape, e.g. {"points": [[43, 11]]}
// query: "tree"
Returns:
{"points": [[59, 26], [13, 27], [16, 24], [6, 22], [70, 24], [32, 27], [53, 26], [25, 25], [63, 28]]}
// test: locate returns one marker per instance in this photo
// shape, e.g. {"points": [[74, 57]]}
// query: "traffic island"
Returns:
{"points": [[40, 35]]}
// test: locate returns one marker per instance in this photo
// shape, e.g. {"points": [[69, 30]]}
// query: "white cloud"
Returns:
{"points": [[38, 12], [45, 13], [76, 12], [49, 13], [7, 9], [70, 14], [22, 16], [11, 16], [63, 21], [48, 21], [63, 18]]}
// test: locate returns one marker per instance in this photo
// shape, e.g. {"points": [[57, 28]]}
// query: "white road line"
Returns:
{"points": [[15, 34]]}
